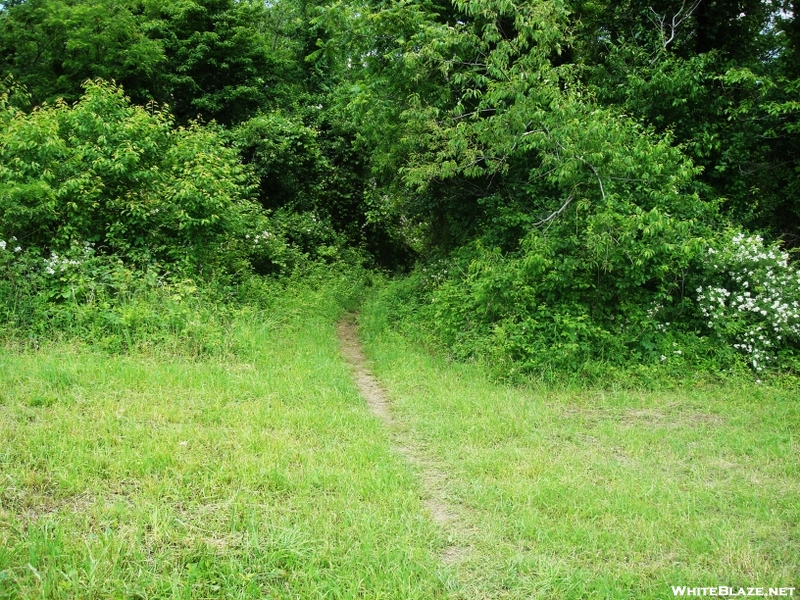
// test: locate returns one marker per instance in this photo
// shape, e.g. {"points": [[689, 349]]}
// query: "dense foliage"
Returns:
{"points": [[560, 171], [122, 178]]}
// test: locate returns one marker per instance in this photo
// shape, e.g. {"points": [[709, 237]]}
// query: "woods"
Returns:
{"points": [[566, 168]]}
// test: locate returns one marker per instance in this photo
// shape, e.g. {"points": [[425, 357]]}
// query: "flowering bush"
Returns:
{"points": [[752, 298]]}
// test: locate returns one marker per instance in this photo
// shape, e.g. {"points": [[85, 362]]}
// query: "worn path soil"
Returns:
{"points": [[433, 481]]}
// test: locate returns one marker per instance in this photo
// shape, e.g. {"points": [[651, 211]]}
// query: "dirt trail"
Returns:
{"points": [[433, 481]]}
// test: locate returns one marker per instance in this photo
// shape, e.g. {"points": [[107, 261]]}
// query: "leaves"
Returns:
{"points": [[123, 177]]}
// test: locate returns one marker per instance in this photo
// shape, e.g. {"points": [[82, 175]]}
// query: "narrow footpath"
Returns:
{"points": [[432, 480]]}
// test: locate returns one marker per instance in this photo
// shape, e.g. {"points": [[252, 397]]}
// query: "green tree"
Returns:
{"points": [[122, 177], [53, 46], [719, 77], [214, 59], [222, 62]]}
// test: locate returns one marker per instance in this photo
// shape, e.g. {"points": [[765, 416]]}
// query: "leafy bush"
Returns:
{"points": [[119, 229], [121, 177], [285, 156], [577, 233]]}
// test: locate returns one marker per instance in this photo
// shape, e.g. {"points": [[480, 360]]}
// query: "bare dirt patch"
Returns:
{"points": [[433, 481]]}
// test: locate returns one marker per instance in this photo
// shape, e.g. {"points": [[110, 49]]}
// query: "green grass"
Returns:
{"points": [[258, 472], [255, 475], [603, 494]]}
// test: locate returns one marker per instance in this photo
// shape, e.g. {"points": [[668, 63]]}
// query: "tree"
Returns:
{"points": [[121, 177], [712, 74], [221, 63], [52, 47], [212, 59]]}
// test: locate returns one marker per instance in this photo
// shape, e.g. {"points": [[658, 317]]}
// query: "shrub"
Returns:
{"points": [[711, 306], [565, 299], [123, 178], [751, 298]]}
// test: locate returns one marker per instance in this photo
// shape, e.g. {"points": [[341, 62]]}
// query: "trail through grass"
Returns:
{"points": [[262, 473], [255, 475], [434, 482], [601, 494]]}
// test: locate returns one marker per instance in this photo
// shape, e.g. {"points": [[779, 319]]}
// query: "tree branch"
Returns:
{"points": [[675, 22], [555, 213]]}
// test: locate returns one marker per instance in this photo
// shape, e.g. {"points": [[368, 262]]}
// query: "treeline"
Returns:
{"points": [[576, 186]]}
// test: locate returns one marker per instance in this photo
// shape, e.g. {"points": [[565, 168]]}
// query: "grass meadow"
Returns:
{"points": [[256, 474], [259, 472], [571, 494]]}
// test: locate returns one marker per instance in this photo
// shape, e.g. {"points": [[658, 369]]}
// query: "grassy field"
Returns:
{"points": [[255, 475], [261, 473], [598, 494]]}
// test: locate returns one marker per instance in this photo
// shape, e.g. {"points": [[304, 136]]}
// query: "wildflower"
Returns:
{"points": [[2, 244]]}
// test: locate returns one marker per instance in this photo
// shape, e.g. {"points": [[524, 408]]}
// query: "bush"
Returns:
{"points": [[536, 312], [728, 300], [564, 300], [121, 177], [751, 299]]}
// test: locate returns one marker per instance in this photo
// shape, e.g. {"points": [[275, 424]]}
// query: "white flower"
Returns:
{"points": [[2, 244], [17, 249]]}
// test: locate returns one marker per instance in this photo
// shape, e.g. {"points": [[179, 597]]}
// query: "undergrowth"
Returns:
{"points": [[436, 306], [117, 307]]}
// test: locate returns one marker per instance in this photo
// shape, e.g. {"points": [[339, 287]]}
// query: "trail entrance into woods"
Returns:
{"points": [[432, 480]]}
